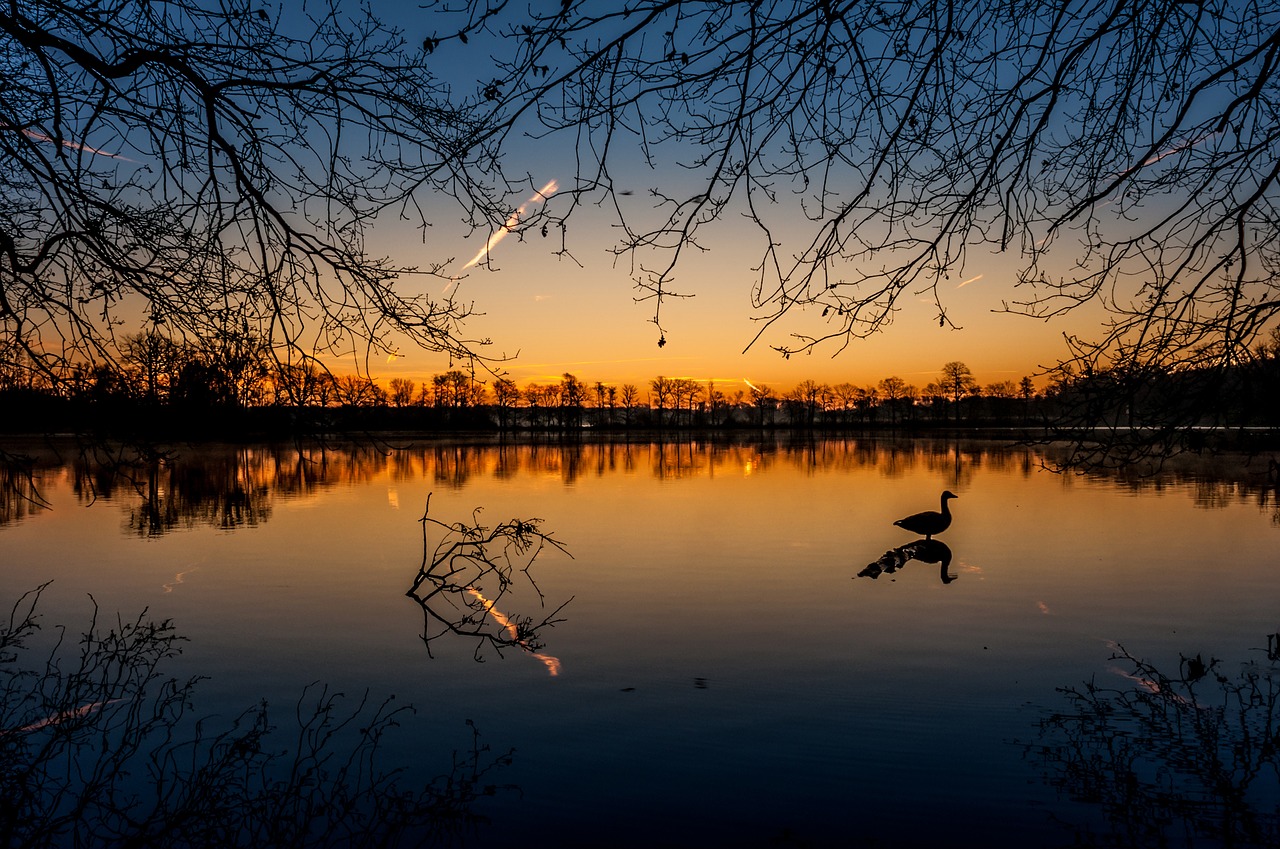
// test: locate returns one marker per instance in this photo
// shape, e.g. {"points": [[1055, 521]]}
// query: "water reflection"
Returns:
{"points": [[19, 488], [1179, 759], [924, 550], [468, 576], [232, 487], [100, 750]]}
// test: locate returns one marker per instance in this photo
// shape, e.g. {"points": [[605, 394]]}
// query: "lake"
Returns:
{"points": [[717, 671]]}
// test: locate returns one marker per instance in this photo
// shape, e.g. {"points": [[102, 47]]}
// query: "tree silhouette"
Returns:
{"points": [[208, 169], [401, 394], [1119, 154], [957, 383], [895, 390], [763, 400], [505, 396], [663, 395], [630, 397]]}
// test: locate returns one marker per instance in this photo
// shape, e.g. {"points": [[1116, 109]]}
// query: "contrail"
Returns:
{"points": [[970, 280], [1156, 157], [41, 137], [512, 221]]}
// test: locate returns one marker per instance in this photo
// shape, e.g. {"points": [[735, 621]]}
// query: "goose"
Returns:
{"points": [[929, 522]]}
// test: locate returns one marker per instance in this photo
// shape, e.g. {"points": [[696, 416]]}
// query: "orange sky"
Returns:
{"points": [[561, 317]]}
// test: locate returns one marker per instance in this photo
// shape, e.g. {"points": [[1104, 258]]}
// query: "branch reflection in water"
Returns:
{"points": [[924, 550], [100, 750], [1172, 761], [465, 577]]}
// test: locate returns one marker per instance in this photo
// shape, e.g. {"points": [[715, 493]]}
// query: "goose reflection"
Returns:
{"points": [[924, 550]]}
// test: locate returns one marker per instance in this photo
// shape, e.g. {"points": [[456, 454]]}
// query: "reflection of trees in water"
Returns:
{"points": [[452, 465], [1173, 761], [223, 490], [100, 750], [466, 584], [680, 459], [225, 495], [218, 486], [230, 487], [20, 486], [1215, 480]]}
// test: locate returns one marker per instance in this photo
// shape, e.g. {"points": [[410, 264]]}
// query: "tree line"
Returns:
{"points": [[232, 372]]}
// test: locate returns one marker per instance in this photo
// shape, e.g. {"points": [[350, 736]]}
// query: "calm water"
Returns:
{"points": [[722, 674]]}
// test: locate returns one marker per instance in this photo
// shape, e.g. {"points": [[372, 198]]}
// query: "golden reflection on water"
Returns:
{"points": [[552, 663], [230, 487]]}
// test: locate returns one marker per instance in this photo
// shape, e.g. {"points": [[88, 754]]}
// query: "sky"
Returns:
{"points": [[546, 315], [554, 316], [551, 315]]}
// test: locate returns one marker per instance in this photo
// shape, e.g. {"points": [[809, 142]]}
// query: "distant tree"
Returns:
{"points": [[105, 383], [533, 394], [152, 360], [457, 389], [303, 385], [573, 394], [810, 398], [440, 392], [611, 401], [630, 396], [957, 383], [936, 396], [869, 400], [663, 393], [894, 390], [505, 396], [1026, 391], [1001, 389], [764, 402], [401, 392], [846, 395], [543, 401], [687, 394], [715, 402], [354, 390], [599, 390], [234, 359]]}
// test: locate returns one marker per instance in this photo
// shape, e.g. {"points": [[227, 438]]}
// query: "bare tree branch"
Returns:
{"points": [[1120, 153]]}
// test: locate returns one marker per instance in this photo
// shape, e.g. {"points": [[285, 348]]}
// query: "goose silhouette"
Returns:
{"points": [[929, 522]]}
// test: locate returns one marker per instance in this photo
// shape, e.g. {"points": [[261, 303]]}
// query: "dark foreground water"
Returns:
{"points": [[721, 674]]}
